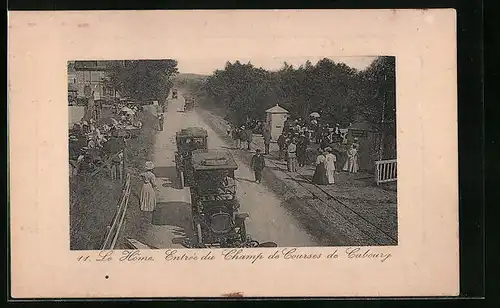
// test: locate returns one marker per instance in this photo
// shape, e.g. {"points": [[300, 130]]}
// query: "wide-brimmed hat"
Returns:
{"points": [[149, 165], [328, 149]]}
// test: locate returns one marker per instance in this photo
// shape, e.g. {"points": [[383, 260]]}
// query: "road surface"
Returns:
{"points": [[171, 222]]}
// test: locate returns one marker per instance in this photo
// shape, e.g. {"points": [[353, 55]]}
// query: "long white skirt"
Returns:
{"points": [[148, 198], [330, 173]]}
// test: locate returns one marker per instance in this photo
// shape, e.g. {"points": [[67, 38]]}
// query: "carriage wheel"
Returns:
{"points": [[243, 232], [128, 135], [199, 235]]}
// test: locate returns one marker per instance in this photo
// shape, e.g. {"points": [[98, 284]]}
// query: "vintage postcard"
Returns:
{"points": [[270, 153]]}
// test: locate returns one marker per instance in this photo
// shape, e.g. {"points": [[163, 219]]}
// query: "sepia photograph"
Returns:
{"points": [[259, 147], [232, 153]]}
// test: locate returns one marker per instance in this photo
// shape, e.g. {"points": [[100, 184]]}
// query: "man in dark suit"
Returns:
{"points": [[257, 164], [266, 133]]}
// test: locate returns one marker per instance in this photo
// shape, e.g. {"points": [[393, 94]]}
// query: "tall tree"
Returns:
{"points": [[144, 79]]}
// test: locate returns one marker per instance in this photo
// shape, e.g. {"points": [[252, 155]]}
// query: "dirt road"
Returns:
{"points": [[171, 222]]}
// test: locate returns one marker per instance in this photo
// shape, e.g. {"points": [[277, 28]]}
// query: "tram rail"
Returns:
{"points": [[357, 220]]}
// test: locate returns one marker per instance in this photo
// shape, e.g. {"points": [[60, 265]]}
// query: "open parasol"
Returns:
{"points": [[315, 115]]}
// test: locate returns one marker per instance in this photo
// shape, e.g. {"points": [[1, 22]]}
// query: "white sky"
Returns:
{"points": [[207, 66]]}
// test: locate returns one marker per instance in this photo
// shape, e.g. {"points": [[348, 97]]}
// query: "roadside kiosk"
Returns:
{"points": [[275, 119]]}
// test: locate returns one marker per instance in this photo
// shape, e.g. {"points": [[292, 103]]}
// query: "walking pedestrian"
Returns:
{"points": [[148, 192], [281, 145], [330, 165], [117, 167], [320, 177], [286, 126], [257, 164], [292, 156], [160, 121], [302, 145], [249, 134], [236, 137], [267, 140], [351, 164], [243, 137]]}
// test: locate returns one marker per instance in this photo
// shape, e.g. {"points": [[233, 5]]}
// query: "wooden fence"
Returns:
{"points": [[117, 222], [386, 171]]}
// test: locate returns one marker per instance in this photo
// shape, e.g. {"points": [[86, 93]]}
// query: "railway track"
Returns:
{"points": [[328, 205]]}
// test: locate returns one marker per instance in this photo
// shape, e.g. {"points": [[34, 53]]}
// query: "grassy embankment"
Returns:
{"points": [[93, 199], [140, 151]]}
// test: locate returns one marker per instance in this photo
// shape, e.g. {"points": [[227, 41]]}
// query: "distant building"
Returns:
{"points": [[91, 77], [275, 119]]}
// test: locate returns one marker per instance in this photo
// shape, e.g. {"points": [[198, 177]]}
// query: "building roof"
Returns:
{"points": [[213, 160], [92, 65], [193, 132], [277, 109]]}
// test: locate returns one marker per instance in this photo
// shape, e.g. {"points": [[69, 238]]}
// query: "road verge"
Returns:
{"points": [[326, 225]]}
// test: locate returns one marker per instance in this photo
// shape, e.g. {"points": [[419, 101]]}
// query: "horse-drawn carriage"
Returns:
{"points": [[188, 140], [216, 220]]}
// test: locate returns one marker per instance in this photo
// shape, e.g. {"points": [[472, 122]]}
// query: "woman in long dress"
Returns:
{"points": [[320, 176], [330, 165], [351, 164], [148, 194]]}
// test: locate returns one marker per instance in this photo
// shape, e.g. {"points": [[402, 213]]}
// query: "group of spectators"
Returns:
{"points": [[90, 145], [294, 145], [315, 130], [242, 135]]}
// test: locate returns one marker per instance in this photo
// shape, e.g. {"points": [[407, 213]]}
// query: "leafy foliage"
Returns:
{"points": [[143, 79], [338, 92]]}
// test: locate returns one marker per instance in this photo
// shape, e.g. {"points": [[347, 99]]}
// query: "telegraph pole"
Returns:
{"points": [[382, 128]]}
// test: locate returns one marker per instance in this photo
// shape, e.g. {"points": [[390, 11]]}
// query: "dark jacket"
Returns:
{"points": [[258, 163], [243, 135], [281, 141]]}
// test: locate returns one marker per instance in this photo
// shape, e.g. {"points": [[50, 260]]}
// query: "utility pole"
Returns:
{"points": [[382, 120]]}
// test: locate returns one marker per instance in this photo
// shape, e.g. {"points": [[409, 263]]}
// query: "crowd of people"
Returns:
{"points": [[91, 144], [295, 143], [298, 135]]}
